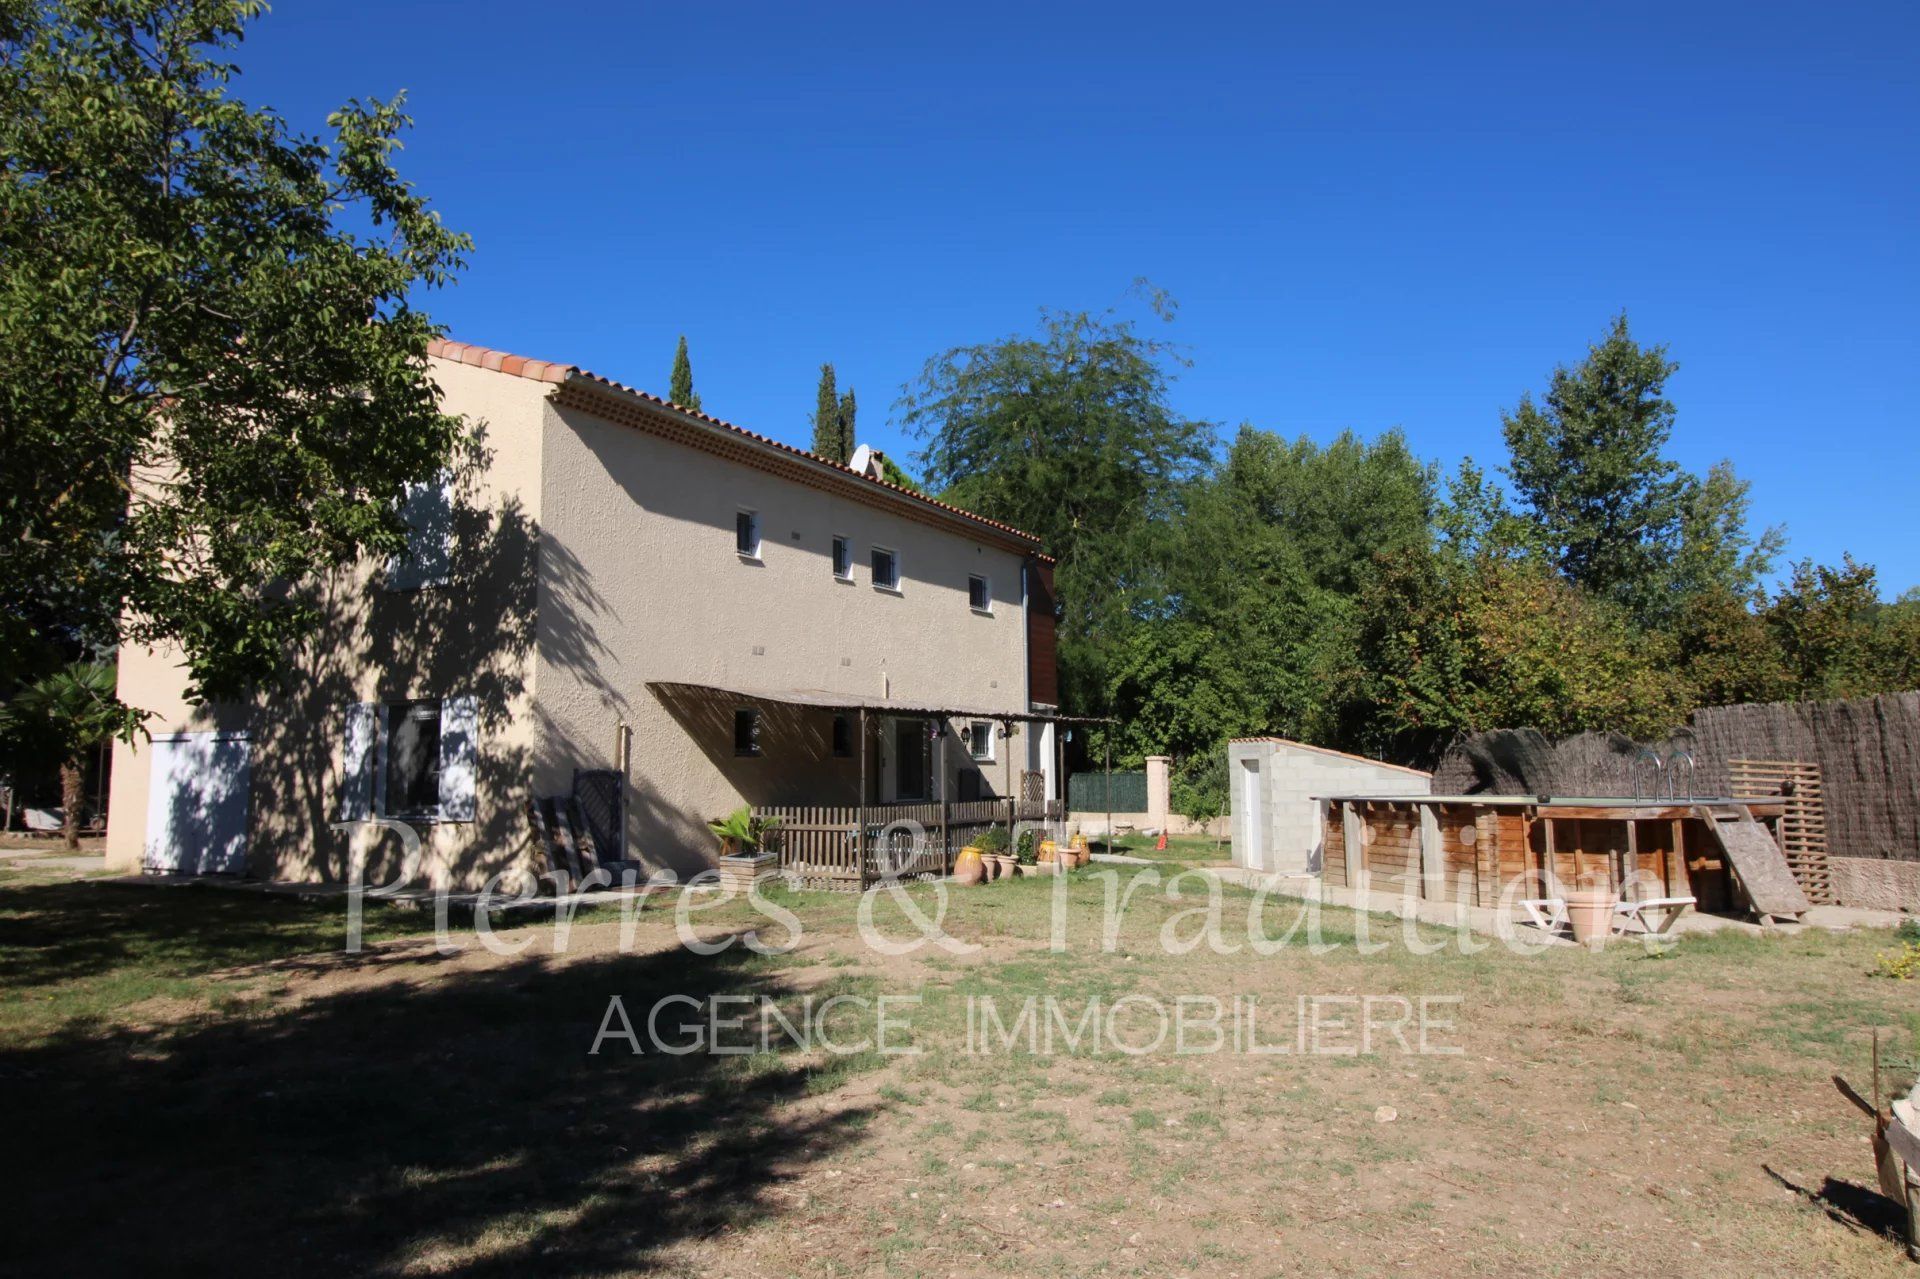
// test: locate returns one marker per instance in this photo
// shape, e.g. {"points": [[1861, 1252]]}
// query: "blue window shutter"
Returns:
{"points": [[356, 789], [427, 561], [459, 726]]}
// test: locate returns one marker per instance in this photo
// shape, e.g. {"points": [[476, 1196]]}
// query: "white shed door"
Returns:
{"points": [[1256, 829], [197, 808]]}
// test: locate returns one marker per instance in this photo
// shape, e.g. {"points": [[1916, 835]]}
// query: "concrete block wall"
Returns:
{"points": [[1292, 780]]}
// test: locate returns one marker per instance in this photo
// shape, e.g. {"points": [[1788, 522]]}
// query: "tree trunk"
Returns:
{"points": [[73, 793]]}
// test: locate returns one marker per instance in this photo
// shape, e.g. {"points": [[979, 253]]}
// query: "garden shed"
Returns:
{"points": [[1275, 791]]}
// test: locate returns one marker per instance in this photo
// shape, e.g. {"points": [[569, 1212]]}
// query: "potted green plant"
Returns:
{"points": [[746, 843], [993, 851], [1026, 853]]}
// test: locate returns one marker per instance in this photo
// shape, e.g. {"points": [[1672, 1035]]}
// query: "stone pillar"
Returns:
{"points": [[1157, 766]]}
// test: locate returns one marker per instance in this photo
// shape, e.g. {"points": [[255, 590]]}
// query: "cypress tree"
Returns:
{"points": [[847, 437], [827, 435], [680, 385]]}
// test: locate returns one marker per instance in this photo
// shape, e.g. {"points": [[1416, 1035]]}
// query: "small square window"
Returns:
{"points": [[746, 731], [886, 569], [413, 759], [746, 533], [843, 736], [980, 740], [980, 593], [843, 559]]}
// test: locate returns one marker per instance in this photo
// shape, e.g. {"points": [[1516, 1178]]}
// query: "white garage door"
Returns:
{"points": [[197, 809]]}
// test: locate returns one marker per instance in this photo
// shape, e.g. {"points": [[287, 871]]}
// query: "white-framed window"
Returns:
{"points": [[843, 558], [746, 533], [427, 561], [412, 760], [746, 731], [980, 593], [980, 738], [886, 569]]}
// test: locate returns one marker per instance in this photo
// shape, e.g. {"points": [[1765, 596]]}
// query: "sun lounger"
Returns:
{"points": [[1655, 915], [1549, 914]]}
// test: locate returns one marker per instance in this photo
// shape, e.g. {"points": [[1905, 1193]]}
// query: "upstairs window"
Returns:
{"points": [[886, 569], [843, 559], [746, 534], [980, 593], [746, 731], [980, 740]]}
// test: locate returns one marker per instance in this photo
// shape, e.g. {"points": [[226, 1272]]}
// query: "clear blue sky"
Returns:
{"points": [[1372, 215]]}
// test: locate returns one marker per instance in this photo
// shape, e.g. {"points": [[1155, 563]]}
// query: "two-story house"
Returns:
{"points": [[608, 583]]}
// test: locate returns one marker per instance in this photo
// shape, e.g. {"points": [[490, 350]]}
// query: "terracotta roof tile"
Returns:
{"points": [[545, 371]]}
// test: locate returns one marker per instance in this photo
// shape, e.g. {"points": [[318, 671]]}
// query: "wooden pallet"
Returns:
{"points": [[1803, 825]]}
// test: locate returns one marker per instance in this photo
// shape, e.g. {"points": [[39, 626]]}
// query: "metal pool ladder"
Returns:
{"points": [[1666, 773]]}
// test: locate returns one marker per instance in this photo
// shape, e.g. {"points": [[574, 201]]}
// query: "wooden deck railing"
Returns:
{"points": [[848, 846]]}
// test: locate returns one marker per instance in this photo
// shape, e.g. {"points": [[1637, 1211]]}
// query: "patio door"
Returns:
{"points": [[909, 773]]}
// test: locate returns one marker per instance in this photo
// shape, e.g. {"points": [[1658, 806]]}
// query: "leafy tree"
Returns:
{"points": [[1449, 646], [1255, 618], [1474, 519], [1067, 432], [1716, 552], [1837, 638], [1727, 653], [206, 311], [1340, 505], [829, 437], [1608, 509], [61, 716], [1588, 468], [680, 386]]}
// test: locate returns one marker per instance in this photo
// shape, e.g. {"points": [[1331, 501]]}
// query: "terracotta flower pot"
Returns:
{"points": [[1590, 912], [968, 868], [1003, 865], [1047, 850]]}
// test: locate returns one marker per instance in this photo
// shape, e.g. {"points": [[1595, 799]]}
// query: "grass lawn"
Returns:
{"points": [[201, 1082]]}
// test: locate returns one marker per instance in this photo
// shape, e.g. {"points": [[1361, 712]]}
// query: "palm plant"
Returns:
{"points": [[64, 715], [742, 830]]}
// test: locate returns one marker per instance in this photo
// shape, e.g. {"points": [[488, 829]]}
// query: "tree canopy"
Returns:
{"points": [[219, 368], [1068, 433], [1344, 594]]}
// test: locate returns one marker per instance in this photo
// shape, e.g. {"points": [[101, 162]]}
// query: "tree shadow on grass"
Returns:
{"points": [[452, 1122], [1854, 1206], [56, 933]]}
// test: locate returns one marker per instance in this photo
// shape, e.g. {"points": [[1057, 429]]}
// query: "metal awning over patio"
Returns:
{"points": [[823, 699], [841, 843]]}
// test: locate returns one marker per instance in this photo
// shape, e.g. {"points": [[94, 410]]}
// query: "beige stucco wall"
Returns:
{"points": [[640, 582], [474, 635]]}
